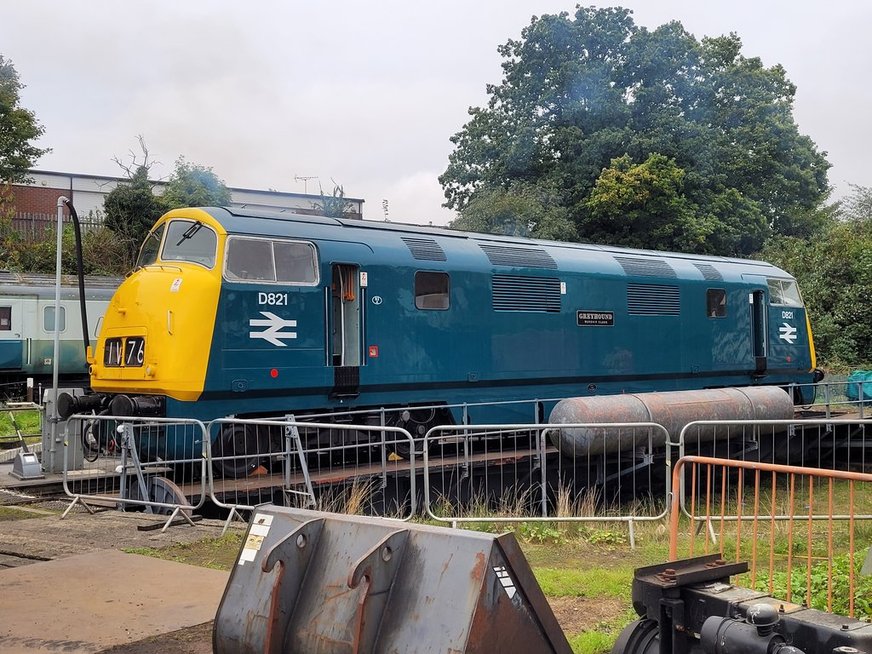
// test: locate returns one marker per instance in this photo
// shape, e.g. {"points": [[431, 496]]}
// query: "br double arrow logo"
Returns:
{"points": [[274, 326], [787, 333]]}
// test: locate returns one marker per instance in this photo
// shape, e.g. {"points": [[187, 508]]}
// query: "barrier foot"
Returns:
{"points": [[233, 512], [632, 525], [77, 500], [176, 512]]}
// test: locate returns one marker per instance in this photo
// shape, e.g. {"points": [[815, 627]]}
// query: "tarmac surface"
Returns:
{"points": [[90, 602], [66, 586]]}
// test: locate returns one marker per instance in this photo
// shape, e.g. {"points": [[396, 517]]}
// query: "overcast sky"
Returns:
{"points": [[363, 93]]}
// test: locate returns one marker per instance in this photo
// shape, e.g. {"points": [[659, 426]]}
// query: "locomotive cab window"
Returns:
{"points": [[784, 292], [48, 319], [716, 303], [191, 241], [431, 291], [150, 247], [6, 319], [270, 261]]}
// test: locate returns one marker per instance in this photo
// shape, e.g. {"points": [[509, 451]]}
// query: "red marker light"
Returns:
{"points": [[274, 373], [373, 351]]}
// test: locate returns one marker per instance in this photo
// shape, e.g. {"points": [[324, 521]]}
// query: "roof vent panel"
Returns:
{"points": [[504, 255], [645, 267], [424, 249], [709, 272]]}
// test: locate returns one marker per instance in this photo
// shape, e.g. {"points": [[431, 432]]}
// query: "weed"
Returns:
{"points": [[541, 532], [606, 537]]}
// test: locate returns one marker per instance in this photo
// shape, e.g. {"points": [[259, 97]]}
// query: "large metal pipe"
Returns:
{"points": [[674, 410]]}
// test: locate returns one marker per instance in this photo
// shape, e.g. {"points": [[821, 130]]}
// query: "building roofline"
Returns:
{"points": [[110, 178]]}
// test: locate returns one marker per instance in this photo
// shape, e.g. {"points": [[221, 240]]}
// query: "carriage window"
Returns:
{"points": [[784, 292], [431, 290], [6, 319], [48, 319], [190, 240], [150, 247], [716, 303], [263, 260]]}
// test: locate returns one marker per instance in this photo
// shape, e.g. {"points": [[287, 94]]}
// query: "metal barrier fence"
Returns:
{"points": [[784, 510], [527, 473], [156, 464], [835, 396], [257, 461], [824, 444], [540, 472]]}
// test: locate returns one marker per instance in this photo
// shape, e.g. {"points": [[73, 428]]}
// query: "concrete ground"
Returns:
{"points": [[90, 602], [65, 586]]}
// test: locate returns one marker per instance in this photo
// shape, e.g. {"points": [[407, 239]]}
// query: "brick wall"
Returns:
{"points": [[36, 199]]}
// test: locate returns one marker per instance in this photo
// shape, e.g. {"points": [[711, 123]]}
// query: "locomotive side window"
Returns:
{"points": [[250, 259], [6, 319], [48, 319], [784, 292], [431, 290], [716, 303], [190, 240], [295, 262], [150, 247], [272, 261]]}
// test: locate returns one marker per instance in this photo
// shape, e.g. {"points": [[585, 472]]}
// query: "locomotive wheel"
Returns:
{"points": [[245, 446], [160, 489]]}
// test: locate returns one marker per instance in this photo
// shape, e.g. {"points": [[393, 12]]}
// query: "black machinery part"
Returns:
{"points": [[690, 607]]}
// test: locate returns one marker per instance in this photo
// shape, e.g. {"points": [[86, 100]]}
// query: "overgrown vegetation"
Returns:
{"points": [[834, 271]]}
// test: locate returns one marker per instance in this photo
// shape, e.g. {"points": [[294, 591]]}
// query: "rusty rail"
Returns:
{"points": [[708, 506]]}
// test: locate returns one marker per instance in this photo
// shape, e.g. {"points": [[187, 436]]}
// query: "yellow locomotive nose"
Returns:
{"points": [[162, 314]]}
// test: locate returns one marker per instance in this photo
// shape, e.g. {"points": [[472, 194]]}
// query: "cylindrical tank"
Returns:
{"points": [[674, 410]]}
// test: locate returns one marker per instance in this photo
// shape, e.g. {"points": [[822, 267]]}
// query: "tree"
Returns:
{"points": [[857, 207], [192, 185], [519, 211], [131, 208], [643, 205], [334, 205], [18, 127], [700, 128], [834, 271]]}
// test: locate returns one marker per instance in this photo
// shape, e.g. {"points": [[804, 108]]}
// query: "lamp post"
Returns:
{"points": [[54, 418]]}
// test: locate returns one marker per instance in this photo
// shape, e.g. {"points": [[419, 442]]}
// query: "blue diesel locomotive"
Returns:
{"points": [[253, 314]]}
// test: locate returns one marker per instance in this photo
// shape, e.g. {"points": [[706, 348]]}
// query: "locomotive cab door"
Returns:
{"points": [[758, 331], [344, 333]]}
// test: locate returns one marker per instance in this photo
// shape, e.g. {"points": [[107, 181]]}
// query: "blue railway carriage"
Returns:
{"points": [[27, 323], [252, 314]]}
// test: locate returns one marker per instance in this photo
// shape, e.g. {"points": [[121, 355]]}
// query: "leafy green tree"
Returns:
{"points": [[334, 205], [130, 210], [857, 207], [643, 205], [834, 271], [582, 91], [18, 128], [192, 185], [519, 211]]}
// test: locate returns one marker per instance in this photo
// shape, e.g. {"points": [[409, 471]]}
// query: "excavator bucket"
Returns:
{"points": [[314, 582]]}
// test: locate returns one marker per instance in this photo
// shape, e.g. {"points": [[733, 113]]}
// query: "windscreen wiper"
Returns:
{"points": [[189, 233]]}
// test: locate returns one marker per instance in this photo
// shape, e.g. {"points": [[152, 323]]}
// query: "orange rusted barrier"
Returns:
{"points": [[725, 492]]}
